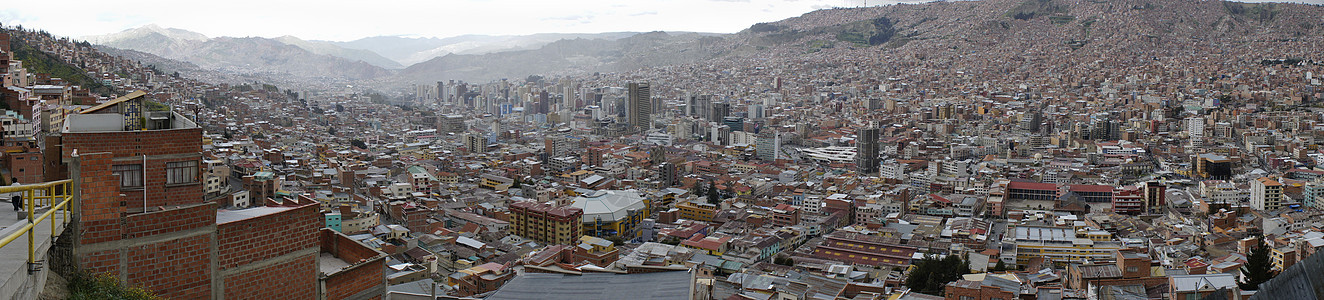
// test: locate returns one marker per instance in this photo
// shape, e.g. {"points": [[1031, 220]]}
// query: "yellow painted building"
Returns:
{"points": [[609, 213], [697, 211], [496, 183], [1059, 245]]}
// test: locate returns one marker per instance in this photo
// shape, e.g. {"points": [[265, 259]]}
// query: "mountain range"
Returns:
{"points": [[996, 30]]}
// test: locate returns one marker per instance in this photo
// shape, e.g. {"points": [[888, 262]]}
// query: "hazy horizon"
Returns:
{"points": [[347, 21], [422, 19]]}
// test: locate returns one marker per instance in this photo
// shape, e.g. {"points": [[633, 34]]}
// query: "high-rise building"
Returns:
{"points": [[1105, 129], [719, 111], [670, 174], [735, 123], [451, 123], [441, 92], [557, 145], [769, 145], [1194, 127], [461, 95], [476, 143], [545, 223], [640, 104], [1266, 193], [1155, 197], [866, 150], [543, 105], [699, 106]]}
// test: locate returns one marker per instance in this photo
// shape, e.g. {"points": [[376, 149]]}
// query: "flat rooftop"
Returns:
{"points": [[328, 263]]}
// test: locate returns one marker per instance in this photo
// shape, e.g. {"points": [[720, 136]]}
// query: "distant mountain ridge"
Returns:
{"points": [[980, 37], [250, 55], [567, 55], [409, 51], [327, 48]]}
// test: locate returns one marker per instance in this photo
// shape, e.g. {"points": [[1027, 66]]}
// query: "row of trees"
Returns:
{"points": [[932, 273], [714, 196]]}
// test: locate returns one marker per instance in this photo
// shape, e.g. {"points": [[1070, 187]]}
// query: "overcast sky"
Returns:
{"points": [[339, 20], [349, 20]]}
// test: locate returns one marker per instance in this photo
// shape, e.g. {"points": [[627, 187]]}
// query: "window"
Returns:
{"points": [[181, 172], [131, 176]]}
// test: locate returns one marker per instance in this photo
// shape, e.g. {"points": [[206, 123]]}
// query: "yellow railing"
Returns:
{"points": [[34, 196]]}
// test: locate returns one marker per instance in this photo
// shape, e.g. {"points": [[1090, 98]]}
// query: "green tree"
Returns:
{"points": [[712, 193], [931, 273], [697, 189], [616, 240], [516, 184], [359, 144], [1258, 267]]}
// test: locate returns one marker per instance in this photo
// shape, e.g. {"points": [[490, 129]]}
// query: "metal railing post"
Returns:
{"points": [[31, 194], [31, 242], [65, 213]]}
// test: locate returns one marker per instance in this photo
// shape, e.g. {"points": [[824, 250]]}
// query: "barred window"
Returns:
{"points": [[131, 176], [181, 172]]}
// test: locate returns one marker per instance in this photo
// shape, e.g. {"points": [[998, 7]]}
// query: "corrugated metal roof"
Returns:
{"points": [[660, 285]]}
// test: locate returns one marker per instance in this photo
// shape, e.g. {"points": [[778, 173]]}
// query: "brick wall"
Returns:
{"points": [[357, 279], [100, 210], [293, 279], [187, 262], [135, 143], [344, 247], [176, 267], [131, 144], [25, 167], [170, 220], [259, 238]]}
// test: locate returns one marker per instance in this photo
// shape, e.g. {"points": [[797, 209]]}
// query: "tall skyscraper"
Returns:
{"points": [[769, 145], [866, 150], [699, 106], [720, 111], [640, 105], [441, 92]]}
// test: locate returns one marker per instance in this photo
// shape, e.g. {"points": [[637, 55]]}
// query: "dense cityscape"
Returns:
{"points": [[910, 159]]}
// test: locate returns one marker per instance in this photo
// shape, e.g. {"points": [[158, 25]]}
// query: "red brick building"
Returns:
{"points": [[479, 279], [786, 215], [992, 287], [359, 272], [141, 216], [24, 166]]}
